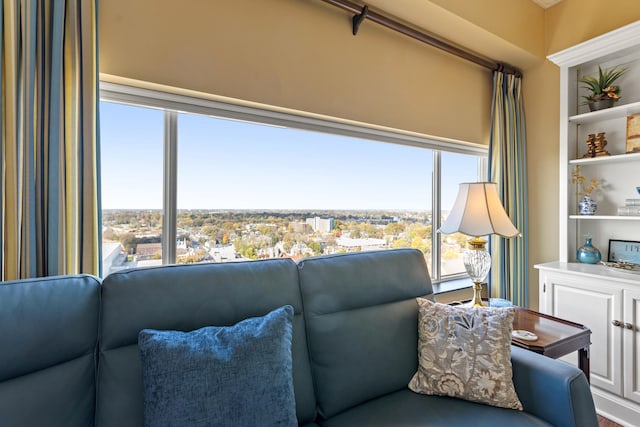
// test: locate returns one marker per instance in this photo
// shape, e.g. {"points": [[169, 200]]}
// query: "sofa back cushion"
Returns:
{"points": [[48, 340], [362, 323], [185, 298]]}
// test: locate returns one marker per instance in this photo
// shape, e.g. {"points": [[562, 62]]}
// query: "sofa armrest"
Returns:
{"points": [[552, 390]]}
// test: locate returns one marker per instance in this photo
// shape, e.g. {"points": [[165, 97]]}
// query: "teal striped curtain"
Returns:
{"points": [[49, 182], [509, 275]]}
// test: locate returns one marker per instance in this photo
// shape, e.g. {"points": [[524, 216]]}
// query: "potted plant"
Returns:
{"points": [[603, 91]]}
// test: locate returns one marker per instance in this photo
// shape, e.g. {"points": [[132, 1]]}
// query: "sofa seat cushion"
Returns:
{"points": [[234, 375], [408, 409]]}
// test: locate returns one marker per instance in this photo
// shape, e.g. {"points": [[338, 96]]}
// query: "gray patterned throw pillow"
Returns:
{"points": [[465, 353]]}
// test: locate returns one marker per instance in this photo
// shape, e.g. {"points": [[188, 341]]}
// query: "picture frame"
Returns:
{"points": [[633, 134], [624, 250]]}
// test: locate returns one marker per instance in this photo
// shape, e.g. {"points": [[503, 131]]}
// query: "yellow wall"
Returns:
{"points": [[511, 31], [517, 22], [573, 21], [540, 86], [301, 55]]}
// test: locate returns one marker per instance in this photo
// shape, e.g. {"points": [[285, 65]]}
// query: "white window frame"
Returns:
{"points": [[172, 104]]}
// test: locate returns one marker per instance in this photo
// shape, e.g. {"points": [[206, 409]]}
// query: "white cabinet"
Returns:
{"points": [[631, 344], [608, 303], [567, 294]]}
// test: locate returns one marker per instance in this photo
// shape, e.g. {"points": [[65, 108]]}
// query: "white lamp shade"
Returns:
{"points": [[478, 211]]}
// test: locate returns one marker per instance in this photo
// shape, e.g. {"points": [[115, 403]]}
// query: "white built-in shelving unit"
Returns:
{"points": [[605, 300]]}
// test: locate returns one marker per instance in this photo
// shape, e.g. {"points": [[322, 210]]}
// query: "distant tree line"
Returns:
{"points": [[254, 231]]}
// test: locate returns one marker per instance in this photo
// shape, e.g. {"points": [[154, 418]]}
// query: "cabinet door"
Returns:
{"points": [[631, 340], [596, 305], [544, 293]]}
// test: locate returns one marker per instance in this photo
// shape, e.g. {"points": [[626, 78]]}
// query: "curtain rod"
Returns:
{"points": [[363, 13]]}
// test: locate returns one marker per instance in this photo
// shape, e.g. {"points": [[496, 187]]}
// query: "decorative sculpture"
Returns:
{"points": [[596, 144], [600, 143], [591, 152]]}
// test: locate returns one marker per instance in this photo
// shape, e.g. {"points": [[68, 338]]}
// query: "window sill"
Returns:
{"points": [[452, 286], [453, 291]]}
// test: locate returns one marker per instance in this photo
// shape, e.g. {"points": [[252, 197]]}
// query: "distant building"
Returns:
{"points": [[299, 227], [182, 252], [112, 257], [299, 250], [148, 250], [368, 244], [223, 253], [320, 224], [148, 263]]}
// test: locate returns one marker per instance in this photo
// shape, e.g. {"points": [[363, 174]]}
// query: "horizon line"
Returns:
{"points": [[273, 209]]}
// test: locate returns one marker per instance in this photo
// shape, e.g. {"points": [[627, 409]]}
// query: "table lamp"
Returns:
{"points": [[477, 212]]}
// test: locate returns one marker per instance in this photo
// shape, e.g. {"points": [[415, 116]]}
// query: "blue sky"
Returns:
{"points": [[225, 164]]}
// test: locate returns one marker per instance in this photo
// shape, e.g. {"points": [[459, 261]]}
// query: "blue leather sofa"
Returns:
{"points": [[69, 356]]}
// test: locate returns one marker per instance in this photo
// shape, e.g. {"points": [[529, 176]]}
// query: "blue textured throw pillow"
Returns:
{"points": [[238, 375]]}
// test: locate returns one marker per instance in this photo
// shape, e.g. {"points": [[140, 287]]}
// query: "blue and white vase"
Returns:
{"points": [[588, 254], [587, 206]]}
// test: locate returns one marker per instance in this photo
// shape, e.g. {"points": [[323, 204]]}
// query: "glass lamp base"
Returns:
{"points": [[476, 301], [477, 262]]}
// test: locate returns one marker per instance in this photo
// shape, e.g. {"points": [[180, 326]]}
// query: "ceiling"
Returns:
{"points": [[545, 4]]}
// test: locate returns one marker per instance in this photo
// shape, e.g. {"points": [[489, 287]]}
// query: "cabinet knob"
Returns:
{"points": [[616, 323], [628, 326]]}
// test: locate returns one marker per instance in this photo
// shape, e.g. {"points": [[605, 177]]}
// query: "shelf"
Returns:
{"points": [[609, 217], [606, 114], [618, 158]]}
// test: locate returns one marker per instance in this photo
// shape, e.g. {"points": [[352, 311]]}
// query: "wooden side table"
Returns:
{"points": [[556, 337]]}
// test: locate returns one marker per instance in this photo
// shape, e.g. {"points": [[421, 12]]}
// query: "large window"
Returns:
{"points": [[455, 168], [194, 181], [131, 175]]}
